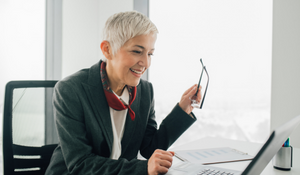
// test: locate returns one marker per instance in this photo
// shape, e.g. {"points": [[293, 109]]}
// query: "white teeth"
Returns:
{"points": [[136, 71]]}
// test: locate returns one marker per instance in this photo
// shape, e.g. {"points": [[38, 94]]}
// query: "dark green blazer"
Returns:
{"points": [[85, 132]]}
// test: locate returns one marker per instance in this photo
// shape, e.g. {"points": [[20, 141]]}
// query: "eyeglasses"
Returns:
{"points": [[196, 104]]}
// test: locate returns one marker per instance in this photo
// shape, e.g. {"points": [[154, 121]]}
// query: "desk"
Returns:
{"points": [[250, 148]]}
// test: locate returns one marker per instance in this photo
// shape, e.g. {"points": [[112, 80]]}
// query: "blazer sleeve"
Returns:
{"points": [[76, 148], [175, 124]]}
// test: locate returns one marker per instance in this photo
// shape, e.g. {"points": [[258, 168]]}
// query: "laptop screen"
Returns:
{"points": [[271, 147]]}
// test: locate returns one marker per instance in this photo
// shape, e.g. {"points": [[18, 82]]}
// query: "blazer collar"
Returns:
{"points": [[95, 93], [96, 96], [130, 126]]}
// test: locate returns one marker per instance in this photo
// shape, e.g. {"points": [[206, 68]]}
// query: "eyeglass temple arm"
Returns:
{"points": [[200, 76], [205, 87]]}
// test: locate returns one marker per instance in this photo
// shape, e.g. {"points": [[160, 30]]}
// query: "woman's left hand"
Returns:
{"points": [[185, 102]]}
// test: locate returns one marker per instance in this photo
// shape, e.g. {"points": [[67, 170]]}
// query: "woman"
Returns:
{"points": [[105, 114]]}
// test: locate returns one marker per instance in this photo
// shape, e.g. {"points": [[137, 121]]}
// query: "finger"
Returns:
{"points": [[168, 153], [165, 163], [187, 91], [168, 157], [192, 91], [172, 152], [163, 170], [163, 155]]}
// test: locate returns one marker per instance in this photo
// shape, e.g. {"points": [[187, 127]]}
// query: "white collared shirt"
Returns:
{"points": [[118, 119]]}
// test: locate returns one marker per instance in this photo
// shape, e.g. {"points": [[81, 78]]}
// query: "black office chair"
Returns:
{"points": [[29, 135]]}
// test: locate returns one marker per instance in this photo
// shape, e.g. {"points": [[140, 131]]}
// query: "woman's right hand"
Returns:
{"points": [[160, 162]]}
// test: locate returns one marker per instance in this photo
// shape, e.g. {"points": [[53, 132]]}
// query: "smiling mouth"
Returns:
{"points": [[137, 72]]}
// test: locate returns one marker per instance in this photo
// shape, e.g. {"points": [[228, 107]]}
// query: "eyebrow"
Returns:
{"points": [[142, 47]]}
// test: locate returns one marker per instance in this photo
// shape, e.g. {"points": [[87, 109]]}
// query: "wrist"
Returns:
{"points": [[180, 105]]}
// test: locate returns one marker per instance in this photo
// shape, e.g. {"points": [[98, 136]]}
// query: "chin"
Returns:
{"points": [[134, 83]]}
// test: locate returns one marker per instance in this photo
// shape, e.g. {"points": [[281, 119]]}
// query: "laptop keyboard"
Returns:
{"points": [[208, 171]]}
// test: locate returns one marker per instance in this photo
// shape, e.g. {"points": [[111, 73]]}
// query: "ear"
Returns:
{"points": [[106, 49]]}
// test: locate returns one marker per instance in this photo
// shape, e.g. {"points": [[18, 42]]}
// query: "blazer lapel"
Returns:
{"points": [[95, 93], [130, 126]]}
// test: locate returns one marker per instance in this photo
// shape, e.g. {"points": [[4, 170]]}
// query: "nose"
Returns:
{"points": [[145, 61]]}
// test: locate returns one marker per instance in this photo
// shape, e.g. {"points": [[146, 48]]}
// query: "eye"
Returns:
{"points": [[150, 54], [136, 51]]}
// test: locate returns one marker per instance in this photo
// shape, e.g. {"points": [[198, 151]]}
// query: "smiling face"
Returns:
{"points": [[128, 65]]}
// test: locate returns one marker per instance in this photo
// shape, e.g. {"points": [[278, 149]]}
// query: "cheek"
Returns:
{"points": [[149, 62]]}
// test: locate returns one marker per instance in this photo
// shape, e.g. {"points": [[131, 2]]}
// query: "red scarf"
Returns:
{"points": [[112, 100]]}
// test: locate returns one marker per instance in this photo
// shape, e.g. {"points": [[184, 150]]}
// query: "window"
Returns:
{"points": [[234, 40], [22, 43]]}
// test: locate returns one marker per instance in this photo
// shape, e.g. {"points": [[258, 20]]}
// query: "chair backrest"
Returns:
{"points": [[29, 135]]}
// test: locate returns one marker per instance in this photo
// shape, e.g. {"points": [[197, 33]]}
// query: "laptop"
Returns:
{"points": [[258, 163]]}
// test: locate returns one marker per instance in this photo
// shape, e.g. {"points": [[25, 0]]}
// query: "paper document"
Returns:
{"points": [[213, 155]]}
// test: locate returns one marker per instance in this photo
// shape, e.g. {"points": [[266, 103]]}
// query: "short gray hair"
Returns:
{"points": [[121, 27]]}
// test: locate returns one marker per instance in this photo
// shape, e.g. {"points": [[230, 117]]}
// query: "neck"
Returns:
{"points": [[118, 89], [114, 84]]}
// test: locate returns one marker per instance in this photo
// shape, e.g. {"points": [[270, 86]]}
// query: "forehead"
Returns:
{"points": [[147, 41]]}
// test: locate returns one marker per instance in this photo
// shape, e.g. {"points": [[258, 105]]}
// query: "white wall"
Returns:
{"points": [[285, 98], [83, 23]]}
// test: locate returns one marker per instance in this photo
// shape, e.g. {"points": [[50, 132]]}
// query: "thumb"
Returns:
{"points": [[172, 152]]}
